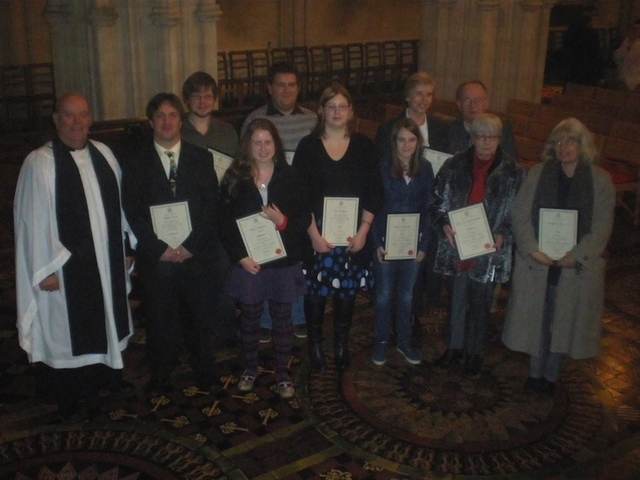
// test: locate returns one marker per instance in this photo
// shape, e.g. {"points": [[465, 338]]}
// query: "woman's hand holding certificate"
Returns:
{"points": [[473, 236], [261, 239]]}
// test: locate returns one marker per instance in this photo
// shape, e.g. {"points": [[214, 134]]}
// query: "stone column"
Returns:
{"points": [[69, 50], [487, 37], [166, 16], [206, 15], [434, 40], [528, 48], [109, 86]]}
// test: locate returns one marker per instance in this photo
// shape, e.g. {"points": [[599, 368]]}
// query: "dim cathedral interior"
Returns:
{"points": [[395, 421]]}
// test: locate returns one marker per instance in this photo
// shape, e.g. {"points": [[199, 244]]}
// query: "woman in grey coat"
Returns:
{"points": [[536, 323], [483, 174]]}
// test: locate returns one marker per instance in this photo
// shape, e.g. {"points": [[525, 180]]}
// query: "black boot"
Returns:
{"points": [[314, 312], [451, 356], [343, 313]]}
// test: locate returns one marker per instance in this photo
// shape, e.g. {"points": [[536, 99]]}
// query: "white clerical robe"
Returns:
{"points": [[43, 326]]}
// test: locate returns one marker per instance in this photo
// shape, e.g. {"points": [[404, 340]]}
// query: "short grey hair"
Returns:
{"points": [[486, 124]]}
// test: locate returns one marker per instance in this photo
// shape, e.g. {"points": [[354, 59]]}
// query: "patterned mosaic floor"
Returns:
{"points": [[392, 422]]}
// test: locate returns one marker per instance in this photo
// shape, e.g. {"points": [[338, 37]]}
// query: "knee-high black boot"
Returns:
{"points": [[343, 313], [314, 312]]}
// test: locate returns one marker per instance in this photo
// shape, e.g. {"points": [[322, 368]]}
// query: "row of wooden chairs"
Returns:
{"points": [[615, 104], [27, 96], [618, 143], [372, 67]]}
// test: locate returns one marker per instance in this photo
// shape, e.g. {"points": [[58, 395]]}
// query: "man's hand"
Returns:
{"points": [[50, 283]]}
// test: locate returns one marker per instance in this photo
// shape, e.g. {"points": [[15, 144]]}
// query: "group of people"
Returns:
{"points": [[83, 221]]}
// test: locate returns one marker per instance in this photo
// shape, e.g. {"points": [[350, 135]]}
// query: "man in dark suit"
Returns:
{"points": [[473, 100], [176, 275]]}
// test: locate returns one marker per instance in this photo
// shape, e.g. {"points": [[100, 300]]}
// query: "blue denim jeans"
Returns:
{"points": [[297, 313], [394, 286]]}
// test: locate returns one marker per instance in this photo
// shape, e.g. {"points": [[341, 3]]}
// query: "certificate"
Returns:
{"points": [[473, 235], [288, 155], [557, 231], [401, 242], [435, 157], [261, 239], [220, 163], [339, 220], [171, 222]]}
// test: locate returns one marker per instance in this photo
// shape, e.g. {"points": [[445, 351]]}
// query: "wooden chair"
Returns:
{"points": [[407, 51], [577, 90], [522, 107], [319, 69], [610, 96], [356, 66], [529, 150], [621, 158], [337, 59], [626, 130], [391, 111], [445, 107], [539, 130], [519, 122], [568, 102], [367, 127], [374, 67]]}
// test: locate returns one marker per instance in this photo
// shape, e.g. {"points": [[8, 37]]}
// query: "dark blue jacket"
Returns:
{"points": [[400, 197]]}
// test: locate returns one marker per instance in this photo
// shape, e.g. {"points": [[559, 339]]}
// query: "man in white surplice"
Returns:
{"points": [[71, 267]]}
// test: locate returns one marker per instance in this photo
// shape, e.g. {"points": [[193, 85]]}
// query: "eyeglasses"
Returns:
{"points": [[567, 142], [488, 138], [474, 101], [336, 108], [202, 96]]}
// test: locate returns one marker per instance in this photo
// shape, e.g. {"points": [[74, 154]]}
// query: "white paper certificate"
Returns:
{"points": [[401, 242], [557, 231], [171, 222], [288, 155], [435, 157], [473, 235], [339, 220], [261, 239], [220, 163]]}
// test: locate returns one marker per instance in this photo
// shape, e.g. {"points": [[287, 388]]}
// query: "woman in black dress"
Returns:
{"points": [[335, 162]]}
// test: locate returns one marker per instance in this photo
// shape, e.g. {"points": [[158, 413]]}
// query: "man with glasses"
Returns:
{"points": [[473, 100], [199, 93], [199, 127]]}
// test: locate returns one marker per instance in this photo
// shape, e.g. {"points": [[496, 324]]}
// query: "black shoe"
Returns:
{"points": [[451, 356], [473, 365], [121, 387], [548, 388], [416, 326], [533, 386], [70, 413], [158, 386], [211, 386], [316, 357]]}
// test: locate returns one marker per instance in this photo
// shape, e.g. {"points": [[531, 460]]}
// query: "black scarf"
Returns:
{"points": [[579, 196], [83, 290]]}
